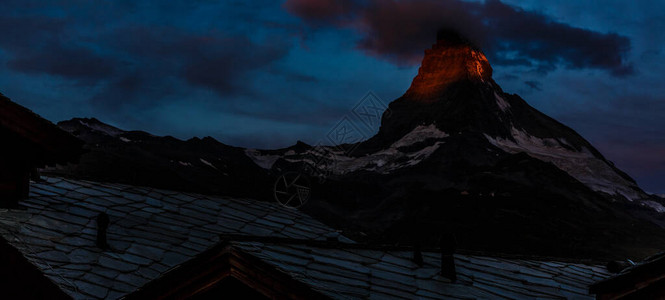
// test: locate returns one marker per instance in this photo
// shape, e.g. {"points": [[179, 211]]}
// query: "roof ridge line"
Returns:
{"points": [[328, 243], [336, 244]]}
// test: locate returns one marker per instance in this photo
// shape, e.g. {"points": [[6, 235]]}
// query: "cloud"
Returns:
{"points": [[323, 11], [72, 63], [108, 56], [222, 64], [213, 60], [138, 65], [41, 46], [536, 85], [399, 31]]}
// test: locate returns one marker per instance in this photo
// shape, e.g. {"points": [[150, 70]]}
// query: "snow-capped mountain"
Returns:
{"points": [[455, 154], [454, 97], [455, 91]]}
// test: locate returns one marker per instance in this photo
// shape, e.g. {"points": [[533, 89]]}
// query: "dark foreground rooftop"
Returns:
{"points": [[152, 232]]}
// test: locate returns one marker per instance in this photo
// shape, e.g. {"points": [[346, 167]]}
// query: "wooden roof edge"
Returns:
{"points": [[650, 270], [221, 261], [60, 145], [336, 244], [21, 279]]}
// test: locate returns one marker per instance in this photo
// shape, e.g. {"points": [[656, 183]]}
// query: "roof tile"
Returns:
{"points": [[146, 251], [153, 231], [91, 289], [116, 264]]}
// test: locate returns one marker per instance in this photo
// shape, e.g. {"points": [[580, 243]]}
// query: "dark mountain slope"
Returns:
{"points": [[136, 157]]}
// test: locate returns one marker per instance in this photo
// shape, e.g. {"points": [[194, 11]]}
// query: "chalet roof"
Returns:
{"points": [[153, 231], [46, 141], [635, 277], [369, 273]]}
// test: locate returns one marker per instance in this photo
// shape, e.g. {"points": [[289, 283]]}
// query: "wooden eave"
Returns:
{"points": [[45, 140], [203, 272], [632, 280]]}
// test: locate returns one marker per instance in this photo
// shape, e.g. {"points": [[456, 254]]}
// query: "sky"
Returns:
{"points": [[265, 73]]}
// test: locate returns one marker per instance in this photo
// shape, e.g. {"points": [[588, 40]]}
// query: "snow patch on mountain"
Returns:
{"points": [[383, 161], [207, 163], [263, 161], [101, 127], [582, 165], [550, 147], [654, 205], [503, 105], [419, 134]]}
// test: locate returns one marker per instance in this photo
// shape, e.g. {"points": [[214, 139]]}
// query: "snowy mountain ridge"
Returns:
{"points": [[453, 103]]}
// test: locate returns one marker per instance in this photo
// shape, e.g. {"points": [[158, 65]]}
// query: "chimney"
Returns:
{"points": [[14, 180], [102, 225], [448, 258], [417, 255], [28, 142]]}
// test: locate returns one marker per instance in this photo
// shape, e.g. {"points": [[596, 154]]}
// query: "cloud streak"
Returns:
{"points": [[399, 31], [42, 46], [212, 60], [136, 65]]}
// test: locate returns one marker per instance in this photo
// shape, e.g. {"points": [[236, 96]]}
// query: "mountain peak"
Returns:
{"points": [[92, 124], [451, 38], [452, 59]]}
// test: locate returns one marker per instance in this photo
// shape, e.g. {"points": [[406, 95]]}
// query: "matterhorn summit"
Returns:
{"points": [[454, 91], [451, 59]]}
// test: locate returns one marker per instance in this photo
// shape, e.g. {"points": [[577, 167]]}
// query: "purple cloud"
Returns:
{"points": [[399, 31], [41, 45]]}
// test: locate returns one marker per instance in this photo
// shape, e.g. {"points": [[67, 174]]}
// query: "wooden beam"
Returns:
{"points": [[208, 269], [20, 279], [54, 144]]}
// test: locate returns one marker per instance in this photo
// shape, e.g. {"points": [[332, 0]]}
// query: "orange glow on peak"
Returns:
{"points": [[443, 65]]}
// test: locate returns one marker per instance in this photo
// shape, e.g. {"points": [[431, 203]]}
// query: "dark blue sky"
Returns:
{"points": [[267, 73]]}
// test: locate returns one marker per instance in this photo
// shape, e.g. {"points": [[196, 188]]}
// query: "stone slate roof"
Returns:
{"points": [[152, 231], [375, 274]]}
